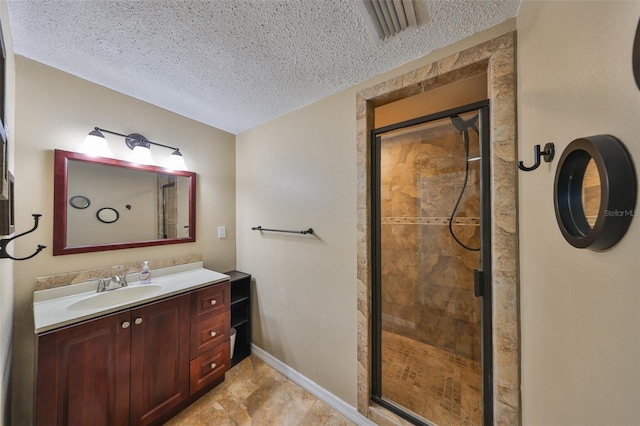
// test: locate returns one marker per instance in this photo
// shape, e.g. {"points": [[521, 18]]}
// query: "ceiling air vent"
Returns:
{"points": [[386, 18]]}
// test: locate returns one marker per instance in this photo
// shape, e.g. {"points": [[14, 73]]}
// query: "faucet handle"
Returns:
{"points": [[123, 279], [102, 284]]}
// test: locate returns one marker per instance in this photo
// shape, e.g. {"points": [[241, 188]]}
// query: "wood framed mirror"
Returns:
{"points": [[156, 206]]}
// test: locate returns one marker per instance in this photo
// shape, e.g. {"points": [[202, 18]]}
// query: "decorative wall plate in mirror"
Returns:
{"points": [[79, 202], [107, 215], [595, 192], [161, 204]]}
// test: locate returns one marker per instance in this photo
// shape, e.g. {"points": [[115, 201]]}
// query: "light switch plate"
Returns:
{"points": [[222, 232]]}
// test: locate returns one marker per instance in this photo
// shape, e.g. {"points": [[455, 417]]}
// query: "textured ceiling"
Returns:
{"points": [[232, 64]]}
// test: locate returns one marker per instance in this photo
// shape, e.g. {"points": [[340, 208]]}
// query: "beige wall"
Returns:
{"points": [[300, 171], [55, 110], [580, 309], [6, 265], [294, 173]]}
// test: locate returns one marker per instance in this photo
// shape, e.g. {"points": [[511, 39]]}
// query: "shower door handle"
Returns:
{"points": [[478, 283]]}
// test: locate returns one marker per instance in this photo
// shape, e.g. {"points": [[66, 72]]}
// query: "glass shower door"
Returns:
{"points": [[428, 320]]}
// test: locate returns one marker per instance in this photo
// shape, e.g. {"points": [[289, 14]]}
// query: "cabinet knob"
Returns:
{"points": [[138, 321], [213, 301], [126, 324], [213, 365], [213, 334]]}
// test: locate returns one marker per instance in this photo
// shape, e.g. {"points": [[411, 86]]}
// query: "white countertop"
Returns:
{"points": [[51, 308]]}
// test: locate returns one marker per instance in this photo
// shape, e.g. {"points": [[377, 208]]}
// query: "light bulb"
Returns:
{"points": [[96, 145], [142, 155], [176, 161]]}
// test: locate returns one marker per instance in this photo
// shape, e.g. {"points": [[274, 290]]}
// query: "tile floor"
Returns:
{"points": [[255, 394], [442, 387]]}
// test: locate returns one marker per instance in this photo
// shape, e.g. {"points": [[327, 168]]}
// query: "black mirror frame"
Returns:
{"points": [[618, 192]]}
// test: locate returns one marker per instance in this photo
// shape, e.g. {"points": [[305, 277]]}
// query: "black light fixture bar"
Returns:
{"points": [[133, 136]]}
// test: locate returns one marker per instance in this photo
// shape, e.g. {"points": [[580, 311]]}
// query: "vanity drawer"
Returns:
{"points": [[209, 366], [208, 333], [210, 301]]}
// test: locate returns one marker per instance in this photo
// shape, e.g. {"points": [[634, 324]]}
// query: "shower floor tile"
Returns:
{"points": [[440, 386]]}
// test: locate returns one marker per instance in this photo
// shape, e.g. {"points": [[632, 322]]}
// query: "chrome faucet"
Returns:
{"points": [[107, 284], [113, 283]]}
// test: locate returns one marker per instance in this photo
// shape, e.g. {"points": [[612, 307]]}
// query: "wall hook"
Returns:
{"points": [[548, 153], [5, 241]]}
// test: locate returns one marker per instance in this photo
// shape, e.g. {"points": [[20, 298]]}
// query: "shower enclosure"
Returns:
{"points": [[431, 254]]}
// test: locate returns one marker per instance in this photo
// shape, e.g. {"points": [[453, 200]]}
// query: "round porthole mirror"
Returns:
{"points": [[107, 215], [595, 192]]}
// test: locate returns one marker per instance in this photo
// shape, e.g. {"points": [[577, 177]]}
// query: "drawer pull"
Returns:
{"points": [[138, 321], [126, 324], [213, 334], [213, 301], [213, 365]]}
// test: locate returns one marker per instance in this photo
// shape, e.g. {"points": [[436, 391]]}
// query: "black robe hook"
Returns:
{"points": [[548, 153], [5, 241]]}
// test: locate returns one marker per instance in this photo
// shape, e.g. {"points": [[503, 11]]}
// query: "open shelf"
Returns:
{"points": [[238, 298], [241, 314]]}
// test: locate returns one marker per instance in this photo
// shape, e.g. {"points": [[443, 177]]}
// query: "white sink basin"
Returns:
{"points": [[115, 297]]}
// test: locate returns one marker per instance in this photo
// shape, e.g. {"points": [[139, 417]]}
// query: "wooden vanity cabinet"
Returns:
{"points": [[83, 373], [137, 366]]}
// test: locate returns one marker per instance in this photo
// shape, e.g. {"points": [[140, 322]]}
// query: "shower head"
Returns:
{"points": [[463, 126]]}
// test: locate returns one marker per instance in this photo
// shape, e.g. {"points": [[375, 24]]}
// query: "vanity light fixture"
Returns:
{"points": [[96, 144]]}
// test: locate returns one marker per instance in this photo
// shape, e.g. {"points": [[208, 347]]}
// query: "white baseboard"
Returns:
{"points": [[312, 387]]}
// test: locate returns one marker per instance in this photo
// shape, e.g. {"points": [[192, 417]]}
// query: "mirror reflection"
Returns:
{"points": [[131, 205], [591, 193], [158, 205]]}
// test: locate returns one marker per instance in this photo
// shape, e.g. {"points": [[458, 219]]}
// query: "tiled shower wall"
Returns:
{"points": [[427, 290], [167, 206]]}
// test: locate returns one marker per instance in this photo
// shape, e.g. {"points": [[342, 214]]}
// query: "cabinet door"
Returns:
{"points": [[83, 373], [159, 358]]}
